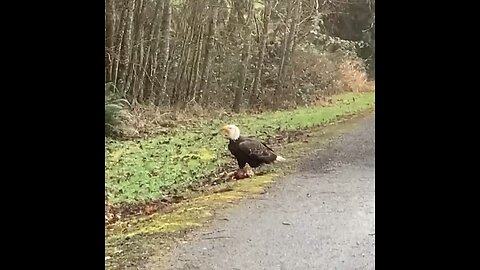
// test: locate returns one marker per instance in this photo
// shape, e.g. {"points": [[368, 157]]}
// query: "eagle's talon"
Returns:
{"points": [[239, 174]]}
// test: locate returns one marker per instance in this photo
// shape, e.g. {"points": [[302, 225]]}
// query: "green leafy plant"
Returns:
{"points": [[116, 112]]}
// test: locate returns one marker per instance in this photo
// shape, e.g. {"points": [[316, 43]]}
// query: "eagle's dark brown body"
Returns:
{"points": [[251, 151]]}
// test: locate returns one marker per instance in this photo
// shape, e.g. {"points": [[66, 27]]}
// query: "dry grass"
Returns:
{"points": [[320, 75], [150, 120], [353, 76]]}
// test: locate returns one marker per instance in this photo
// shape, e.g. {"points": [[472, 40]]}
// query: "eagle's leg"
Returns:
{"points": [[241, 170]]}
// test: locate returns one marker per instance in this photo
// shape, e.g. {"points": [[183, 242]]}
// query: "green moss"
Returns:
{"points": [[154, 235], [195, 212]]}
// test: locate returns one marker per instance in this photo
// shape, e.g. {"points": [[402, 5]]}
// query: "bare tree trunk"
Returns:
{"points": [[291, 35], [138, 79], [154, 83], [164, 51], [189, 72], [175, 92], [146, 80], [207, 58], [118, 46], [242, 77], [183, 71], [109, 38], [127, 41], [233, 20], [261, 55], [245, 56], [286, 39], [192, 81], [131, 74], [286, 51], [184, 59]]}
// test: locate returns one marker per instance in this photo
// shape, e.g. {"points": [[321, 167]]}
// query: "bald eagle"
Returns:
{"points": [[249, 150]]}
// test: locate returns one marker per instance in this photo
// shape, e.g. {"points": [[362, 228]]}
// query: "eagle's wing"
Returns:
{"points": [[256, 149], [268, 147]]}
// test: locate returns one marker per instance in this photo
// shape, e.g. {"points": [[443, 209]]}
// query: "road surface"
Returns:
{"points": [[322, 217]]}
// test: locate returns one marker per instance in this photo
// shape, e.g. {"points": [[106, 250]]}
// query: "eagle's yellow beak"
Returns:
{"points": [[224, 129]]}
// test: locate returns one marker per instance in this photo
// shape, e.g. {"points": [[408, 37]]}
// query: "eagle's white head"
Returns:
{"points": [[232, 131]]}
